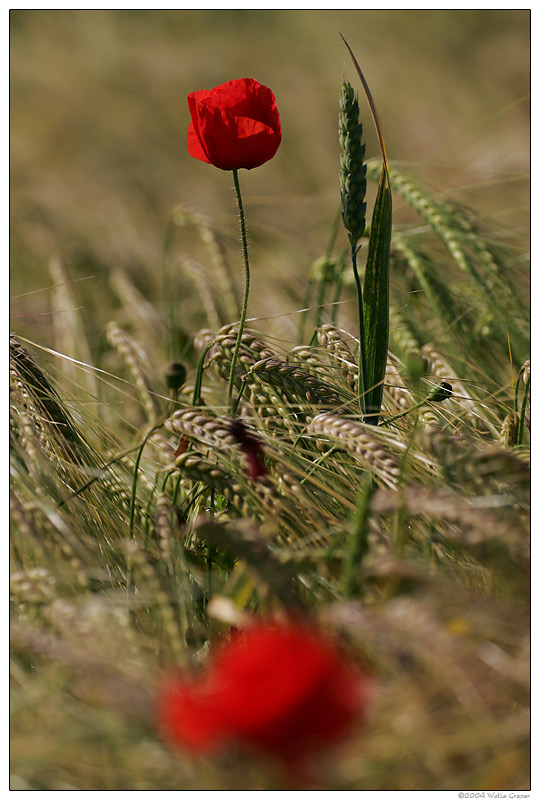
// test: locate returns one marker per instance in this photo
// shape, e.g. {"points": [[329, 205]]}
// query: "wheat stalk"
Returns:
{"points": [[332, 339], [354, 437], [186, 217], [134, 358], [251, 350], [473, 526], [196, 273], [201, 427], [294, 382]]}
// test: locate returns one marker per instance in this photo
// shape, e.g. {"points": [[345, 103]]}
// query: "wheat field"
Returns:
{"points": [[139, 535]]}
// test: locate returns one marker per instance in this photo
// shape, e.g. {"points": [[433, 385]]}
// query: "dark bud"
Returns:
{"points": [[250, 447], [441, 392], [175, 376]]}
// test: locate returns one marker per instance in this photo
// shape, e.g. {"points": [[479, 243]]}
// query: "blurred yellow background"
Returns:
{"points": [[99, 119]]}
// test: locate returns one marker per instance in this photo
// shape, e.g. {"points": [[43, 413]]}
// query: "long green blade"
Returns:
{"points": [[376, 298]]}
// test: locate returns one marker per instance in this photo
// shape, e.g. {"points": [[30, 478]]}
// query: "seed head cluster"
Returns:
{"points": [[353, 169]]}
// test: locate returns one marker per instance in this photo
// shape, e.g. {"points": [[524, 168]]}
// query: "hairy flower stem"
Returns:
{"points": [[246, 289], [363, 387]]}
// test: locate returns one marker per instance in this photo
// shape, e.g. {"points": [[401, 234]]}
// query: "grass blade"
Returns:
{"points": [[376, 298]]}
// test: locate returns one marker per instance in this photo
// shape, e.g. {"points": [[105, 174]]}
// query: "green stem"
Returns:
{"points": [[317, 463], [134, 488], [404, 413], [363, 387], [134, 480], [196, 401], [320, 301], [168, 295], [305, 304], [521, 424], [358, 543], [437, 394], [327, 255], [337, 291], [246, 288], [333, 233]]}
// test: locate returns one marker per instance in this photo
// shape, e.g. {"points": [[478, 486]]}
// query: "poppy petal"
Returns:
{"points": [[235, 125]]}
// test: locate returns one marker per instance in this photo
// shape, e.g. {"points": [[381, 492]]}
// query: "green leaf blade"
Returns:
{"points": [[376, 298]]}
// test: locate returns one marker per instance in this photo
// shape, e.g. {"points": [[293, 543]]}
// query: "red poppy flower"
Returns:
{"points": [[251, 448], [234, 126], [283, 689]]}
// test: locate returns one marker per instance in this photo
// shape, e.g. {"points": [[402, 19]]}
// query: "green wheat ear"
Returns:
{"points": [[353, 169]]}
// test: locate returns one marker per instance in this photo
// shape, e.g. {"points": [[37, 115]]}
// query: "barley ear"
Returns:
{"points": [[353, 169]]}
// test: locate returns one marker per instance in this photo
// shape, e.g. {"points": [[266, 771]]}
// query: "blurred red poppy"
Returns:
{"points": [[251, 448], [283, 689], [234, 126]]}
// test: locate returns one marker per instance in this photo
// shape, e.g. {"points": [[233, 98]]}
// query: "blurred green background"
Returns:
{"points": [[99, 119]]}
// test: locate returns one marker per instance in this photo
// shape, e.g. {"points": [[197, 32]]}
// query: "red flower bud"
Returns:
{"points": [[234, 125], [283, 689], [251, 448]]}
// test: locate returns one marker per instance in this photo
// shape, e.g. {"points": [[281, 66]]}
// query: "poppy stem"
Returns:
{"points": [[246, 289]]}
